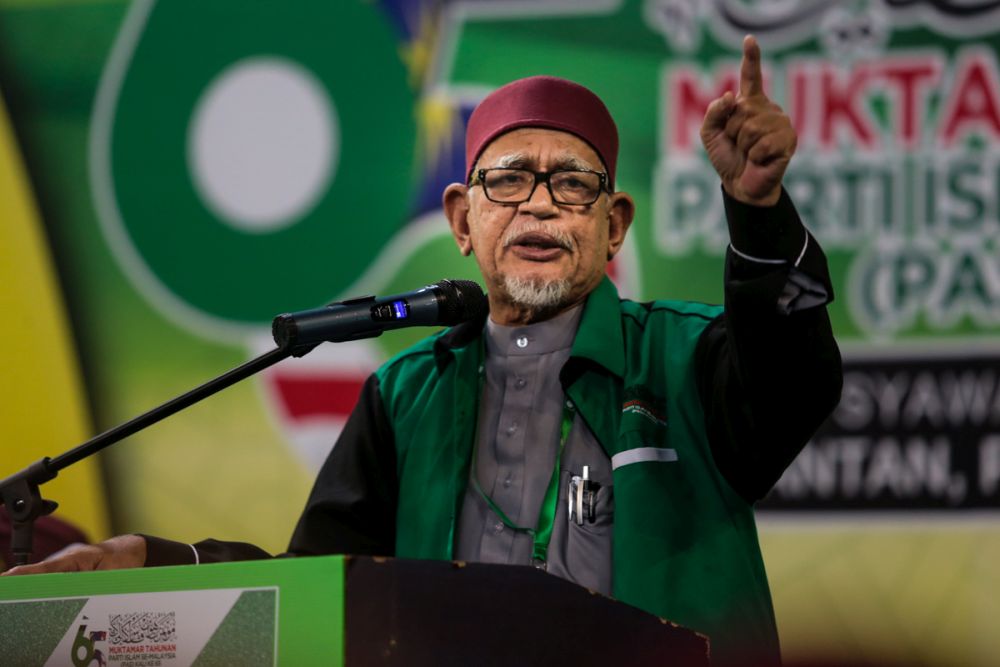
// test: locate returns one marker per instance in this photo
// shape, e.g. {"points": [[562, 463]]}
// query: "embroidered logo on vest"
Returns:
{"points": [[640, 401]]}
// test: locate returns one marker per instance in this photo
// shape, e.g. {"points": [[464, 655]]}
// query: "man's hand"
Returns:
{"points": [[117, 553], [749, 139]]}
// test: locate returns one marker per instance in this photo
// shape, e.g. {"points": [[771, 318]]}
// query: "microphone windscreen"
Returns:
{"points": [[462, 300]]}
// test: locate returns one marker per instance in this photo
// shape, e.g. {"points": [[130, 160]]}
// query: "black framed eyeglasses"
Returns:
{"points": [[508, 185]]}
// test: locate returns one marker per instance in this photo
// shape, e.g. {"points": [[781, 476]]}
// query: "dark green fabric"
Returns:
{"points": [[685, 543]]}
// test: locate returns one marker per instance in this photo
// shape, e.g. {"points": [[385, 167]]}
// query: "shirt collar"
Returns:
{"points": [[598, 337], [531, 339]]}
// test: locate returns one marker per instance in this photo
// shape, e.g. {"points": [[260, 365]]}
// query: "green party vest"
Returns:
{"points": [[685, 543]]}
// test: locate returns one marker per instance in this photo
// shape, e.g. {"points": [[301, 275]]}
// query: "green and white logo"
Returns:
{"points": [[258, 168]]}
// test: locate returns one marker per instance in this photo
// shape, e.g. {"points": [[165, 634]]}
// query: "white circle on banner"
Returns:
{"points": [[263, 144]]}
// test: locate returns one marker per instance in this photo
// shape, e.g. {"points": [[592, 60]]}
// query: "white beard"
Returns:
{"points": [[535, 294]]}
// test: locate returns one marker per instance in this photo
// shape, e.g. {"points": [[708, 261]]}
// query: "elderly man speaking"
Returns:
{"points": [[620, 445]]}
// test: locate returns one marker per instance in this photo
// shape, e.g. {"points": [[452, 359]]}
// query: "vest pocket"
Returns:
{"points": [[642, 441]]}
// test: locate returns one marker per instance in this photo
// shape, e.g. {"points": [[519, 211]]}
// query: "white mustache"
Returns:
{"points": [[552, 231]]}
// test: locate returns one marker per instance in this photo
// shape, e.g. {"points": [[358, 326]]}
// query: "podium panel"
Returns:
{"points": [[329, 610], [287, 611]]}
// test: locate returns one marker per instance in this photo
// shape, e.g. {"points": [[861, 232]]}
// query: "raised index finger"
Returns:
{"points": [[751, 79]]}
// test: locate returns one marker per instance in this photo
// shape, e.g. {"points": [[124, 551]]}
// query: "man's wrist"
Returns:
{"points": [[767, 232], [167, 552], [768, 200]]}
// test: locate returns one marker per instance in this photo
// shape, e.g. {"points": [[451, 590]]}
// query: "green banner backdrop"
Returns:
{"points": [[201, 167]]}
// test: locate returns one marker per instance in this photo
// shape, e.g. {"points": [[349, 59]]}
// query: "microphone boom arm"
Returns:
{"points": [[20, 491], [296, 334]]}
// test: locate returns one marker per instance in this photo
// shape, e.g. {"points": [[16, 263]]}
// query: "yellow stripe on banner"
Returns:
{"points": [[42, 407]]}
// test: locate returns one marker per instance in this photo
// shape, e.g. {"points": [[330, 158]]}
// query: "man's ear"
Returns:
{"points": [[620, 214], [456, 208]]}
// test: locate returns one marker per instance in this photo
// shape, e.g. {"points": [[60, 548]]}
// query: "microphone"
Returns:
{"points": [[444, 303]]}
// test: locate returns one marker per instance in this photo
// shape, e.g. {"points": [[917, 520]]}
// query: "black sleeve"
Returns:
{"points": [[167, 552], [352, 507], [769, 371]]}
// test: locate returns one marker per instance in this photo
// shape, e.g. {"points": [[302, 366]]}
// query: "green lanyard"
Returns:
{"points": [[542, 533]]}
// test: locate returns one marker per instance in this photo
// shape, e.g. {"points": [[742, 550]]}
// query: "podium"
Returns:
{"points": [[329, 610]]}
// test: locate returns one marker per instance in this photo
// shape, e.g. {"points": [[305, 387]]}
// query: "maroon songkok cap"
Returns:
{"points": [[543, 101]]}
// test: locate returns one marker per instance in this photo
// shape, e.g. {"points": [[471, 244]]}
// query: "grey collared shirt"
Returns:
{"points": [[517, 441]]}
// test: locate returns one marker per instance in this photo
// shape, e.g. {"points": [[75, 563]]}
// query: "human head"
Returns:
{"points": [[543, 101], [539, 258]]}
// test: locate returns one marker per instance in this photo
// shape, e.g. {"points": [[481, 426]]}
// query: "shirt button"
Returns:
{"points": [[507, 482], [520, 383], [512, 429], [522, 342], [498, 527]]}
